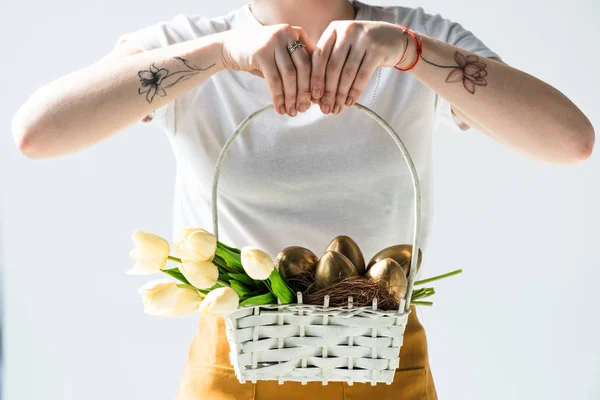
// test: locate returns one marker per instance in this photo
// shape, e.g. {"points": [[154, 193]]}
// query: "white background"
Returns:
{"points": [[522, 322]]}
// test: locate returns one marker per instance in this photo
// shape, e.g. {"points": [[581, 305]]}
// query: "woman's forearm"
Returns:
{"points": [[513, 107], [90, 104]]}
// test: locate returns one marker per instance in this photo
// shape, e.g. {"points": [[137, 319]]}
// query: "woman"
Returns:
{"points": [[300, 176]]}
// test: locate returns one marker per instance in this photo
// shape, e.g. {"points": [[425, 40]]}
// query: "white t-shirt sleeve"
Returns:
{"points": [[180, 28], [452, 33]]}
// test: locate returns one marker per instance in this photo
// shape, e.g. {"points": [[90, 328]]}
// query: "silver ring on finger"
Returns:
{"points": [[294, 45]]}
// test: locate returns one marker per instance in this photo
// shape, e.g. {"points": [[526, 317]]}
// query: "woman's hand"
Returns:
{"points": [[262, 51], [346, 56]]}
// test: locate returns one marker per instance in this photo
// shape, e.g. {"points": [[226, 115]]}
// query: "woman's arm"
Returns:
{"points": [[509, 105], [90, 104], [512, 107]]}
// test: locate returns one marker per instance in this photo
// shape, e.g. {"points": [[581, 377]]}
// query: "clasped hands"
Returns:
{"points": [[331, 73]]}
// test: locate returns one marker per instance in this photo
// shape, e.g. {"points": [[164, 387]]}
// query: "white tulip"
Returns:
{"points": [[201, 274], [257, 263], [163, 298], [151, 253], [221, 301], [195, 244]]}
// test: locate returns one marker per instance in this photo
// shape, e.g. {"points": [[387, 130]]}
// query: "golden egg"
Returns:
{"points": [[401, 253], [348, 247], [391, 272], [297, 266], [333, 267]]}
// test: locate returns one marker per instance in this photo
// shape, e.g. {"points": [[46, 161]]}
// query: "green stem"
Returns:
{"points": [[175, 259], [423, 295], [421, 303], [436, 278], [417, 294]]}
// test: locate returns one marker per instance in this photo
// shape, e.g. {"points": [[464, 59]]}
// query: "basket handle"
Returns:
{"points": [[397, 140]]}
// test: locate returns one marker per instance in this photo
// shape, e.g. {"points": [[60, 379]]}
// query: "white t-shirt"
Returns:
{"points": [[304, 180]]}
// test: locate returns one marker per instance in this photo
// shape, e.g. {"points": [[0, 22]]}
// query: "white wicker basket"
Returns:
{"points": [[300, 342]]}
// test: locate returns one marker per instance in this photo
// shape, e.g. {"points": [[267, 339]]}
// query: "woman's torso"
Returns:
{"points": [[302, 181]]}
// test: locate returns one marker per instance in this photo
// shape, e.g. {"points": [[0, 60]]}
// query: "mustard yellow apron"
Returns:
{"points": [[208, 374]]}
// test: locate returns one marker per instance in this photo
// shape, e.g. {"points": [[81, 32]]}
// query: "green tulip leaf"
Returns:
{"points": [[254, 293], [245, 279], [231, 258], [267, 298], [279, 288], [175, 273], [224, 277], [222, 265], [241, 289]]}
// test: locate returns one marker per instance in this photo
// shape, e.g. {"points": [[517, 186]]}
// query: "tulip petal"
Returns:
{"points": [[220, 301], [202, 242], [471, 58], [201, 274], [162, 297], [186, 254], [188, 302], [146, 237], [146, 263], [195, 244], [151, 253], [257, 263], [480, 82], [183, 233], [144, 267], [151, 286]]}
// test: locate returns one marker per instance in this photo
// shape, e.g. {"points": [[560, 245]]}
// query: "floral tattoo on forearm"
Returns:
{"points": [[470, 71], [155, 80]]}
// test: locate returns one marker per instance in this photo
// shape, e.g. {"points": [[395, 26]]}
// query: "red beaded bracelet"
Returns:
{"points": [[419, 47]]}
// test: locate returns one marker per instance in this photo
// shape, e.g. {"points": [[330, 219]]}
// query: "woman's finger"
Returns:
{"points": [[347, 76], [288, 73], [301, 60], [275, 82], [336, 62], [363, 75], [320, 57]]}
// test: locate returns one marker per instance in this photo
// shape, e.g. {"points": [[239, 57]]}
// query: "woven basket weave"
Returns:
{"points": [[303, 343]]}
